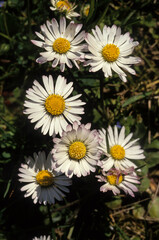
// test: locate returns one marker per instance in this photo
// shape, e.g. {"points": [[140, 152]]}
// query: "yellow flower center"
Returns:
{"points": [[77, 150], [55, 104], [117, 152], [44, 178], [112, 179], [110, 52], [63, 5], [61, 45]]}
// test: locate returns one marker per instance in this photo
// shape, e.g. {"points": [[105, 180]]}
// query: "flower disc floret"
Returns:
{"points": [[55, 104], [114, 180], [63, 4], [44, 178], [61, 45], [110, 52], [77, 150], [117, 152]]}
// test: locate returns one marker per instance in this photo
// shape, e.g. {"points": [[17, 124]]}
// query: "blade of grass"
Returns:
{"points": [[136, 98]]}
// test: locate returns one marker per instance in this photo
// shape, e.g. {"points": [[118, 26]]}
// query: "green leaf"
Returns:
{"points": [[145, 182], [144, 169], [7, 188], [2, 237], [17, 92], [148, 21], [89, 82], [139, 211], [97, 116], [15, 3], [136, 98], [140, 131], [114, 204], [4, 48], [136, 238], [128, 17], [152, 159], [6, 155], [153, 208], [153, 145]]}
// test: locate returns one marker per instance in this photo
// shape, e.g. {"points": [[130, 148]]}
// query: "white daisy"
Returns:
{"points": [[62, 44], [50, 107], [42, 183], [118, 179], [119, 149], [110, 50], [42, 238], [64, 6], [76, 152]]}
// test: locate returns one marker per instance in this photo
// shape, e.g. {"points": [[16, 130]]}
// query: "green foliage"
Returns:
{"points": [[153, 208], [86, 213], [139, 211]]}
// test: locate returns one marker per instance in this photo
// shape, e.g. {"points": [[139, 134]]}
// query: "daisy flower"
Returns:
{"points": [[121, 149], [61, 44], [42, 183], [65, 6], [76, 152], [115, 180], [110, 50], [42, 238], [50, 106]]}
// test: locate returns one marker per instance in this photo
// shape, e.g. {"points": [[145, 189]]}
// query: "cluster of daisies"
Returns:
{"points": [[77, 149], [63, 45]]}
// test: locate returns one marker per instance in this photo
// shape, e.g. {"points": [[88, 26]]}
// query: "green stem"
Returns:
{"points": [[103, 15], [5, 36], [6, 28], [29, 20], [5, 24], [49, 214], [11, 127], [101, 93]]}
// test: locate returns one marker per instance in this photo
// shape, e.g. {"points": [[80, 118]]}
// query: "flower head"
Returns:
{"points": [[41, 181], [64, 6], [121, 149], [86, 10], [110, 50], [62, 44], [50, 106], [42, 238], [119, 179], [76, 153]]}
